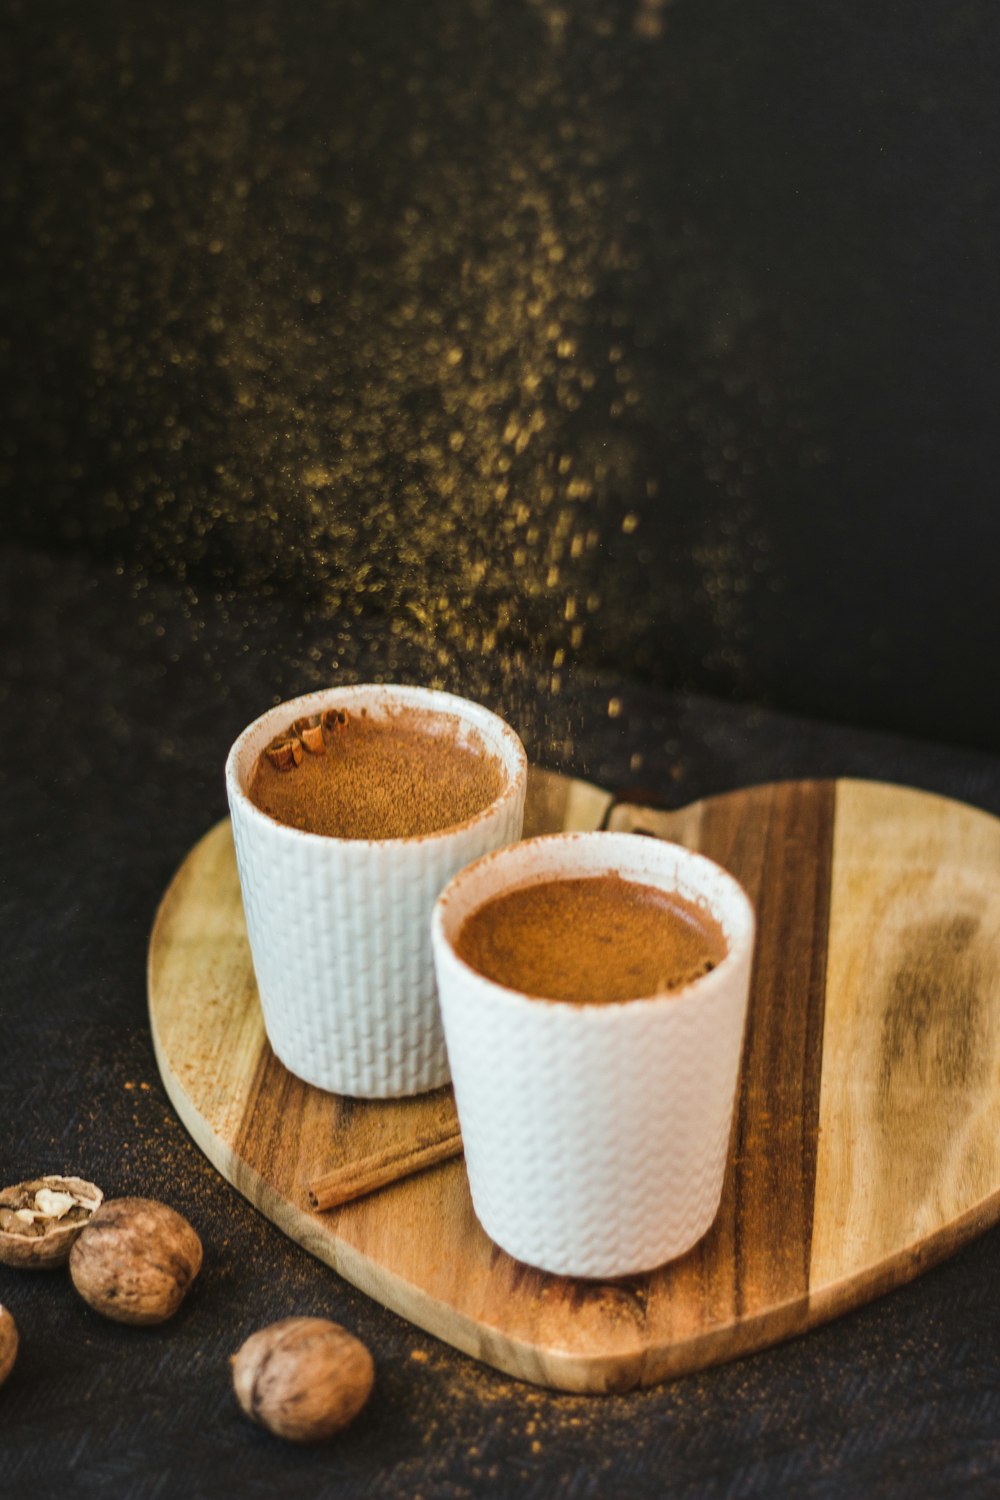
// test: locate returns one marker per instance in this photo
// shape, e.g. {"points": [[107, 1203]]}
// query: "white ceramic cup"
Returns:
{"points": [[340, 928], [596, 1136]]}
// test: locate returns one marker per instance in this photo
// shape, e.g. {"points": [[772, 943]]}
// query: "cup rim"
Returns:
{"points": [[473, 714], [739, 948]]}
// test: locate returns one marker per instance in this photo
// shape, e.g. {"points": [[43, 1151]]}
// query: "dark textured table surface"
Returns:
{"points": [[119, 706]]}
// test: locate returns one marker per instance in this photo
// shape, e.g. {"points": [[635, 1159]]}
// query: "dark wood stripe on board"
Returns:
{"points": [[778, 841], [752, 1268]]}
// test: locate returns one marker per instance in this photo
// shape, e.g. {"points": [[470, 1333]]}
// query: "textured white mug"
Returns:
{"points": [[340, 928], [596, 1135]]}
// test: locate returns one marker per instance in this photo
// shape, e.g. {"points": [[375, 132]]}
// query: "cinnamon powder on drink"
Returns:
{"points": [[594, 939], [401, 775]]}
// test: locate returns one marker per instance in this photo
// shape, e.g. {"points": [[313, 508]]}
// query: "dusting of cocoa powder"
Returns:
{"points": [[398, 776], [597, 939]]}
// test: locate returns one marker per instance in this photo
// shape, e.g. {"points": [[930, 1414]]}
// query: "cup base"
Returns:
{"points": [[597, 1266], [371, 1088]]}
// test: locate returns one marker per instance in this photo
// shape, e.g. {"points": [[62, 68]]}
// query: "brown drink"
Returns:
{"points": [[595, 939], [363, 775]]}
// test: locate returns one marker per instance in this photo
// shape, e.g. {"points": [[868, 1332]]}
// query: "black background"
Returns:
{"points": [[243, 238], [629, 366]]}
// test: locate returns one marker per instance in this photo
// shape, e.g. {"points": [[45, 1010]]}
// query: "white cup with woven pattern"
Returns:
{"points": [[596, 1135], [339, 929]]}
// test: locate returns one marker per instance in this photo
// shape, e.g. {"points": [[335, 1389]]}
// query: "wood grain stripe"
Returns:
{"points": [[778, 841], [753, 1264]]}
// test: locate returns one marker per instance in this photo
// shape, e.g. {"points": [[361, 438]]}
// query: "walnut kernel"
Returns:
{"points": [[8, 1343], [40, 1219], [135, 1260], [303, 1378]]}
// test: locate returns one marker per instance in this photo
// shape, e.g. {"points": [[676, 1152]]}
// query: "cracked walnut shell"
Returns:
{"points": [[303, 1378], [135, 1260], [40, 1219], [8, 1343]]}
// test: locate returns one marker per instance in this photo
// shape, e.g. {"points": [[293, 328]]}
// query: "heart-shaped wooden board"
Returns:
{"points": [[866, 1143]]}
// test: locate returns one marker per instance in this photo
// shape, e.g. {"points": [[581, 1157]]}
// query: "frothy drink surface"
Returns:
{"points": [[399, 776], [596, 939]]}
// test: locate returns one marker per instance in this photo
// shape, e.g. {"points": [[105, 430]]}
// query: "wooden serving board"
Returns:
{"points": [[866, 1143]]}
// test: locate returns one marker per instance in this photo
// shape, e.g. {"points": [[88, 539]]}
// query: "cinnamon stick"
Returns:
{"points": [[370, 1173]]}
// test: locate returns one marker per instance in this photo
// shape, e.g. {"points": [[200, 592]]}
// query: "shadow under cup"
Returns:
{"points": [[339, 929], [596, 1135]]}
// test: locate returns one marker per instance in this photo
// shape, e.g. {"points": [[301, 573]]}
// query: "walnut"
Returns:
{"points": [[8, 1343], [40, 1219], [303, 1378], [135, 1261]]}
